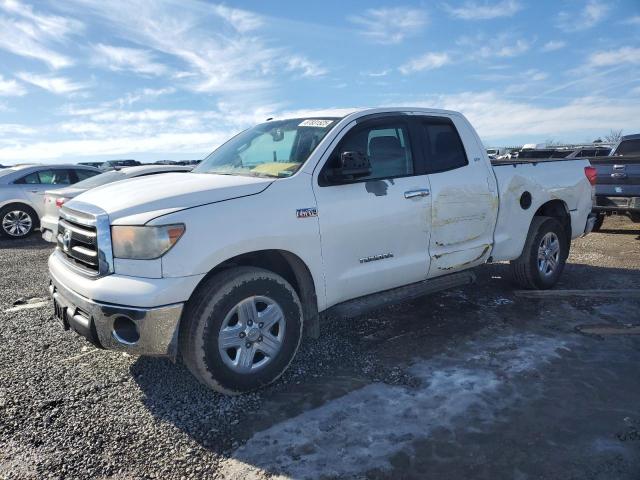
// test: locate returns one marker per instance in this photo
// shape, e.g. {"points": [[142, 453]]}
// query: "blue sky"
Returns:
{"points": [[97, 79]]}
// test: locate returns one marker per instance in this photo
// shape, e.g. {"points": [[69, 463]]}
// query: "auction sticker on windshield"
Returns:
{"points": [[316, 123]]}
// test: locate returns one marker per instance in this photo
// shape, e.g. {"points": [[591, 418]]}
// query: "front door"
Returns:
{"points": [[374, 231]]}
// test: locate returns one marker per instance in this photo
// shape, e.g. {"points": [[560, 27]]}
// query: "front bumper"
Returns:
{"points": [[49, 228], [139, 331]]}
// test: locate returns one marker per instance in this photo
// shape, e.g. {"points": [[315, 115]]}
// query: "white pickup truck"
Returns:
{"points": [[229, 265]]}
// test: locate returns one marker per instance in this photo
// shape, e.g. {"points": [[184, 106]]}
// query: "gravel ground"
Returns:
{"points": [[473, 383]]}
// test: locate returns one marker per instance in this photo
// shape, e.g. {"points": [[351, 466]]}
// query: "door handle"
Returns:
{"points": [[618, 175], [423, 192]]}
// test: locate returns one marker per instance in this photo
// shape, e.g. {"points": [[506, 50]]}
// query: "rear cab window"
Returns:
{"points": [[441, 144], [628, 147]]}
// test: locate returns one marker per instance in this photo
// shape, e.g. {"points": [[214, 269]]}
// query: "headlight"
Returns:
{"points": [[146, 242]]}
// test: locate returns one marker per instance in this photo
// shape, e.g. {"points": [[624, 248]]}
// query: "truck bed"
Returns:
{"points": [[544, 180]]}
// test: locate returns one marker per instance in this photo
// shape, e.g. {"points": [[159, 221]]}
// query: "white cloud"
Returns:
{"points": [[142, 95], [125, 58], [15, 129], [26, 33], [216, 49], [502, 45], [11, 88], [242, 20], [635, 20], [57, 85], [379, 73], [553, 45], [306, 68], [390, 25], [621, 56], [593, 12], [472, 10], [536, 75], [498, 118], [428, 61]]}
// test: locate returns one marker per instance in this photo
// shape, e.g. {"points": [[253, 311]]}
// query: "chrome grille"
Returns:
{"points": [[79, 243], [84, 239]]}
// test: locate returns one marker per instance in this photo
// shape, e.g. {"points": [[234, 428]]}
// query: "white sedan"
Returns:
{"points": [[22, 190], [54, 199]]}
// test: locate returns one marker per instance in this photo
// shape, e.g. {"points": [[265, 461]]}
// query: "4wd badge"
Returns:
{"points": [[307, 212]]}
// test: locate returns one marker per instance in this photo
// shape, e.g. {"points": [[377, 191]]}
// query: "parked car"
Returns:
{"points": [[118, 164], [91, 164], [618, 186], [590, 152], [54, 199], [629, 145], [229, 264], [22, 194]]}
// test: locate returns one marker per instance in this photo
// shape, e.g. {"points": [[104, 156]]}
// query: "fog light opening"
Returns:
{"points": [[125, 331]]}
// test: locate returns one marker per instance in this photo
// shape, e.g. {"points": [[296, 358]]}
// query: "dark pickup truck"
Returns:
{"points": [[618, 181]]}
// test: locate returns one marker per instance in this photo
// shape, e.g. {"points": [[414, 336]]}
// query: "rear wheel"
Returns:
{"points": [[242, 329], [544, 255], [635, 217], [17, 221]]}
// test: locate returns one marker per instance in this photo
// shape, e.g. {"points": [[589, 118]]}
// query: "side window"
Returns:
{"points": [[30, 179], [443, 149], [386, 144], [54, 177], [82, 174]]}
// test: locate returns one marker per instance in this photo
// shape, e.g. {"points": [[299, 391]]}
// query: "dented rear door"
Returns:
{"points": [[464, 194]]}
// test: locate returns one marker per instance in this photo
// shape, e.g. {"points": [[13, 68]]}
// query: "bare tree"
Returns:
{"points": [[614, 136]]}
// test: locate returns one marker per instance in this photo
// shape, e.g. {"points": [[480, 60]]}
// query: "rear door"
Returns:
{"points": [[374, 231], [464, 205], [47, 179]]}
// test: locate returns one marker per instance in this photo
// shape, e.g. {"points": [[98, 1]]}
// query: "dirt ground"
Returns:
{"points": [[480, 382]]}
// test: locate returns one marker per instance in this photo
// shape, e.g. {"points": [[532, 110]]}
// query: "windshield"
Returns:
{"points": [[101, 179], [272, 149]]}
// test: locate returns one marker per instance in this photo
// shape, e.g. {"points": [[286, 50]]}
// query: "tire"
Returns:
{"points": [[635, 217], [531, 272], [598, 225], [229, 303], [17, 221]]}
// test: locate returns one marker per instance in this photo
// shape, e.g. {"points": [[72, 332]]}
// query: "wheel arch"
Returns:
{"points": [[290, 267], [557, 209], [22, 204]]}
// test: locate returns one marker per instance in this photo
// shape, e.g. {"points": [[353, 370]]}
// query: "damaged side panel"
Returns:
{"points": [[464, 213]]}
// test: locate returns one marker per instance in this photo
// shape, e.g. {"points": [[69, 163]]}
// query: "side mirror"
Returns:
{"points": [[351, 165]]}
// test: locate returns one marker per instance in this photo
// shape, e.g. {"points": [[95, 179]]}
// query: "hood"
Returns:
{"points": [[166, 193]]}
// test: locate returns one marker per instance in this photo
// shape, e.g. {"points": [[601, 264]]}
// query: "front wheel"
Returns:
{"points": [[544, 255], [241, 329]]}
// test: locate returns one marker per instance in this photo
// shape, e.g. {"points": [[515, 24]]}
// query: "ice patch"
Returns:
{"points": [[363, 429]]}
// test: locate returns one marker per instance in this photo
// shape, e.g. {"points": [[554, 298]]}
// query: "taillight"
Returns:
{"points": [[60, 201], [591, 173]]}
